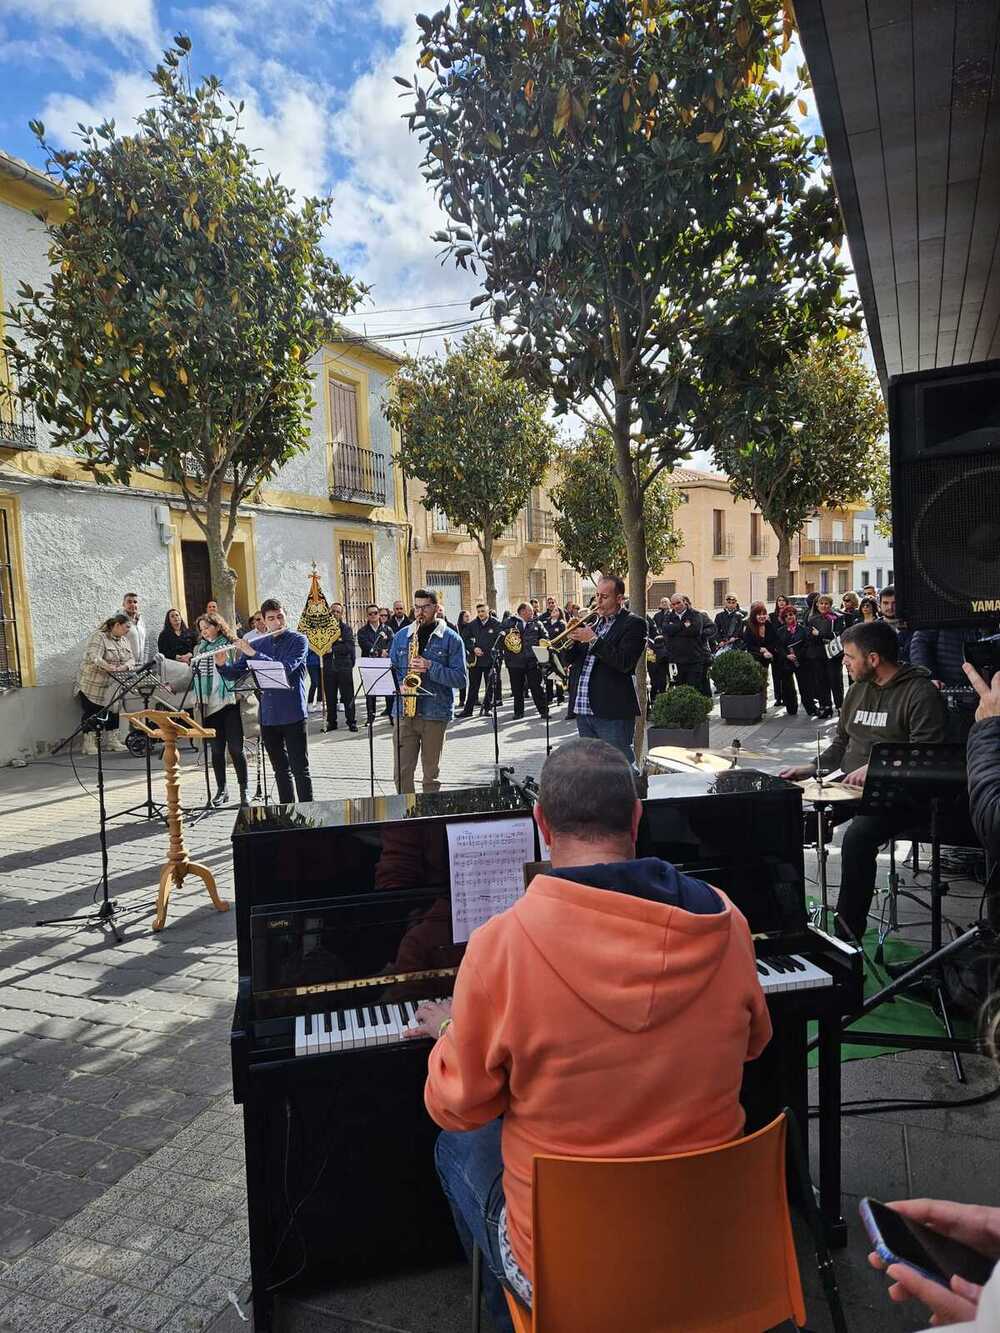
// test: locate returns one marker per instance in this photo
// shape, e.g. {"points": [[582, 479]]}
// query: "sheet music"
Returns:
{"points": [[376, 676], [269, 674], [486, 857]]}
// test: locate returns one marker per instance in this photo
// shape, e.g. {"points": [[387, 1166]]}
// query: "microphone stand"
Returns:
{"points": [[494, 687]]}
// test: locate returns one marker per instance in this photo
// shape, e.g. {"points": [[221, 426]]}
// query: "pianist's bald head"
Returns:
{"points": [[587, 808]]}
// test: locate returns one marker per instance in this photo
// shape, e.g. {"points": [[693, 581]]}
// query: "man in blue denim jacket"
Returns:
{"points": [[440, 664]]}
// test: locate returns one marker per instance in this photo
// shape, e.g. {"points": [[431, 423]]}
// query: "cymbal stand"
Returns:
{"points": [[822, 912]]}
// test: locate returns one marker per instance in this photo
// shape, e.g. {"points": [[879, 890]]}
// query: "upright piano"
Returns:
{"points": [[344, 924]]}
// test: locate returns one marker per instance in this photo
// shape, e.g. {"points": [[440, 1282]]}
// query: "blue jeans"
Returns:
{"points": [[617, 731], [471, 1171]]}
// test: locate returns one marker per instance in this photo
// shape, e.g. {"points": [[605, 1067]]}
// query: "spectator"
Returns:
{"points": [[562, 993], [338, 674], [554, 687], [869, 611], [819, 633], [849, 612], [686, 650], [729, 623], [221, 708], [176, 640], [887, 610], [657, 641], [790, 663], [869, 590], [778, 614], [137, 637], [399, 618], [459, 626], [108, 653], [315, 700]]}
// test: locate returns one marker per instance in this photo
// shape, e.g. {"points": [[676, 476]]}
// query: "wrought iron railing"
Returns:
{"points": [[17, 418], [723, 544], [358, 474], [825, 546], [540, 526]]}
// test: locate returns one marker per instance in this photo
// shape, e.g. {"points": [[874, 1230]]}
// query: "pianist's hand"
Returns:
{"points": [[857, 778], [797, 774], [430, 1015], [989, 695], [970, 1224]]}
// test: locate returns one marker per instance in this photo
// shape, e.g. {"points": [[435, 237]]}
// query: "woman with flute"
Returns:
{"points": [[221, 706]]}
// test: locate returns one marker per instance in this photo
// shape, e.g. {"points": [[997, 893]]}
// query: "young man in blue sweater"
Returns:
{"points": [[282, 712]]}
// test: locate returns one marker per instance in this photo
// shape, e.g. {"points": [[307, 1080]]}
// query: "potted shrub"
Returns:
{"points": [[679, 716], [742, 686]]}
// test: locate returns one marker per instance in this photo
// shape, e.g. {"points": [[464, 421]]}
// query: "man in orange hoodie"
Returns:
{"points": [[607, 1014]]}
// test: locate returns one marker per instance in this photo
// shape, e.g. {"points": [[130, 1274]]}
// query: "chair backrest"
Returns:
{"points": [[699, 1240]]}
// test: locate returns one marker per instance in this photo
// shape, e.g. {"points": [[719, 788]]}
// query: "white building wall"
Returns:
{"points": [[23, 258], [878, 552]]}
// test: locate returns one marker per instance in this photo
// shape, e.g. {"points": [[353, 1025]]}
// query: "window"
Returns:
{"points": [[569, 586], [720, 591], [358, 473], [890, 579], [756, 525], [357, 579], [838, 530], [843, 580], [878, 578], [684, 497], [660, 590], [536, 583], [344, 412], [863, 534], [10, 657], [439, 520], [824, 581], [812, 529], [772, 588], [718, 532], [865, 580], [447, 588]]}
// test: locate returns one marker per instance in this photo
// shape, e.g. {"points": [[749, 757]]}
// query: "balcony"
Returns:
{"points": [[508, 534], [760, 549], [540, 527], [17, 419], [358, 475], [820, 546], [723, 545]]}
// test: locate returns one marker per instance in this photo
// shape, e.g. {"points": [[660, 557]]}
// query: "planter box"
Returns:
{"points": [[694, 739], [741, 707]]}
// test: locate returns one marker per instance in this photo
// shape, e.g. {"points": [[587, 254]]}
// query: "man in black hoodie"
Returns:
{"points": [[885, 702]]}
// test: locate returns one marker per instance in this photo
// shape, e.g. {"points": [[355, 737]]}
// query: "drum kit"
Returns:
{"points": [[676, 759]]}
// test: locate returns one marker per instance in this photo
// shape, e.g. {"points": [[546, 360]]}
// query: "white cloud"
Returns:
{"points": [[125, 99], [121, 20]]}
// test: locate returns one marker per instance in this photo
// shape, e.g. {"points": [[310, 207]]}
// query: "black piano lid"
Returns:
{"points": [[355, 812]]}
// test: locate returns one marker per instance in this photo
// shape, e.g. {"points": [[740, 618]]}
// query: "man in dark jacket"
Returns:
{"points": [[886, 702], [602, 660], [887, 610], [942, 652], [983, 754], [480, 636], [338, 674], [729, 623], [687, 652], [523, 634], [375, 640]]}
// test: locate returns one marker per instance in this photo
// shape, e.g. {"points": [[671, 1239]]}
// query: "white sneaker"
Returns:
{"points": [[114, 742], [89, 743]]}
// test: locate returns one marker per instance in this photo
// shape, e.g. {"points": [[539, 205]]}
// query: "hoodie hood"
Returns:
{"points": [[670, 933]]}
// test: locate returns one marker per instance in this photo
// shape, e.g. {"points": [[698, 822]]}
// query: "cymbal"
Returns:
{"points": [[829, 792], [673, 757], [739, 752]]}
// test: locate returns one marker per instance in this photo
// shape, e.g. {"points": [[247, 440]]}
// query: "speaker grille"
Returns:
{"points": [[951, 559]]}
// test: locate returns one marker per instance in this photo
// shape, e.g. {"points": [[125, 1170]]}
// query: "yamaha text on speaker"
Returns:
{"points": [[944, 429]]}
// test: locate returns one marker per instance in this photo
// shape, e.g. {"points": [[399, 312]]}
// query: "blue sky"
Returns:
{"points": [[321, 108]]}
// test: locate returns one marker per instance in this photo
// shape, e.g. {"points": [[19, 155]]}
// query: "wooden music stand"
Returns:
{"points": [[168, 727]]}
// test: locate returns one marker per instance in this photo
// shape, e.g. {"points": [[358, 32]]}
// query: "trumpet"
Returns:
{"points": [[559, 641]]}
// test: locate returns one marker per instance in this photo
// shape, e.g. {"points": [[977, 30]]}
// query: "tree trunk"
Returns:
{"points": [[223, 578], [630, 504], [486, 550], [784, 559]]}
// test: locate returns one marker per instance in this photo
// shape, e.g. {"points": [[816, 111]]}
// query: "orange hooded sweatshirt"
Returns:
{"points": [[598, 1024]]}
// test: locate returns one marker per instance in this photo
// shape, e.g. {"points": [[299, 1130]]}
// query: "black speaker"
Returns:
{"points": [[944, 441]]}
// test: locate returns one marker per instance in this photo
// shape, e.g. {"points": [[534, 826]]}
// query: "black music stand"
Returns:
{"points": [[379, 679], [493, 690], [922, 780], [143, 683]]}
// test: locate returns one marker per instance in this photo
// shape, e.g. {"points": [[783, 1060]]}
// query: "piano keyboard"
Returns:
{"points": [[351, 1029], [788, 972]]}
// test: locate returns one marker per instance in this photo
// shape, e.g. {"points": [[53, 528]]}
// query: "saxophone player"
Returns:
{"points": [[430, 652]]}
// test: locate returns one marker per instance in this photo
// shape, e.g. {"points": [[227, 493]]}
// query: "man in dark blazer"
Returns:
{"points": [[522, 666], [602, 660], [480, 635], [338, 674]]}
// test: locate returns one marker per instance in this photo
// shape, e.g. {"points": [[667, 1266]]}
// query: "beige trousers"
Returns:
{"points": [[423, 737]]}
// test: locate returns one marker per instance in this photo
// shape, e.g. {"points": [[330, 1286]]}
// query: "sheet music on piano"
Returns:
{"points": [[486, 860]]}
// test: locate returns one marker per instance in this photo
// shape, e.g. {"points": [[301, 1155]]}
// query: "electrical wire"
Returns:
{"points": [[885, 1104]]}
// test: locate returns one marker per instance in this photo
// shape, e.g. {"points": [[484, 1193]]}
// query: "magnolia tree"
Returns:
{"points": [[816, 438], [476, 437], [588, 528], [188, 294]]}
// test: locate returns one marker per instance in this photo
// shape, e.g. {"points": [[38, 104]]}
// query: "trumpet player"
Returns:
{"points": [[602, 659], [430, 651]]}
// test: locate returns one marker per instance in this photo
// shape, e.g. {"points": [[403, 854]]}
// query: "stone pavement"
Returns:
{"points": [[122, 1204]]}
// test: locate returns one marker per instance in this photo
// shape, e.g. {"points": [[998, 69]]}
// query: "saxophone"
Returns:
{"points": [[411, 681]]}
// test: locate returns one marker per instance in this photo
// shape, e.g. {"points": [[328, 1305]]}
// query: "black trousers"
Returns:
{"points": [[657, 678], [89, 708], [288, 750], [784, 687], [532, 679], [338, 681], [313, 684], [696, 674], [864, 835], [818, 680], [228, 727], [478, 673], [554, 689], [835, 674]]}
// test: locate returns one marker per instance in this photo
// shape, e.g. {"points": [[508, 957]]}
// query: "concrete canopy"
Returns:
{"points": [[908, 93]]}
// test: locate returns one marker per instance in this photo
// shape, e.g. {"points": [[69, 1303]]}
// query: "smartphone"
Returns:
{"points": [[899, 1240]]}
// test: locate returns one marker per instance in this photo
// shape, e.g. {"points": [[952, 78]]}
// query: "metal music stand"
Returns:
{"points": [[145, 684], [923, 781], [382, 680], [493, 689]]}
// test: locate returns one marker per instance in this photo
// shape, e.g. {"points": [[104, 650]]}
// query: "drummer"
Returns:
{"points": [[886, 702]]}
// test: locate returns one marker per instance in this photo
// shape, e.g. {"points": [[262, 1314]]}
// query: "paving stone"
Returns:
{"points": [[24, 1274], [23, 1076], [19, 1231], [94, 1323], [55, 1248], [55, 1196], [144, 1101], [153, 1272], [18, 1141], [134, 1131], [188, 1319], [182, 1282], [86, 1291], [114, 1165], [117, 1302], [89, 1253], [72, 1157], [97, 1089], [14, 1175], [80, 1118], [213, 1292], [116, 1264], [28, 1314]]}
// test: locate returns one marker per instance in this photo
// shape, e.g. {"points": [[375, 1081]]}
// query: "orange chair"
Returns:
{"points": [[695, 1241]]}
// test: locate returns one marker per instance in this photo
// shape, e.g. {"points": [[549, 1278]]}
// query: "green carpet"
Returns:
{"points": [[903, 1015]]}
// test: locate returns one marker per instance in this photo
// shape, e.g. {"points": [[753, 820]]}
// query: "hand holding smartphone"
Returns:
{"points": [[898, 1239]]}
